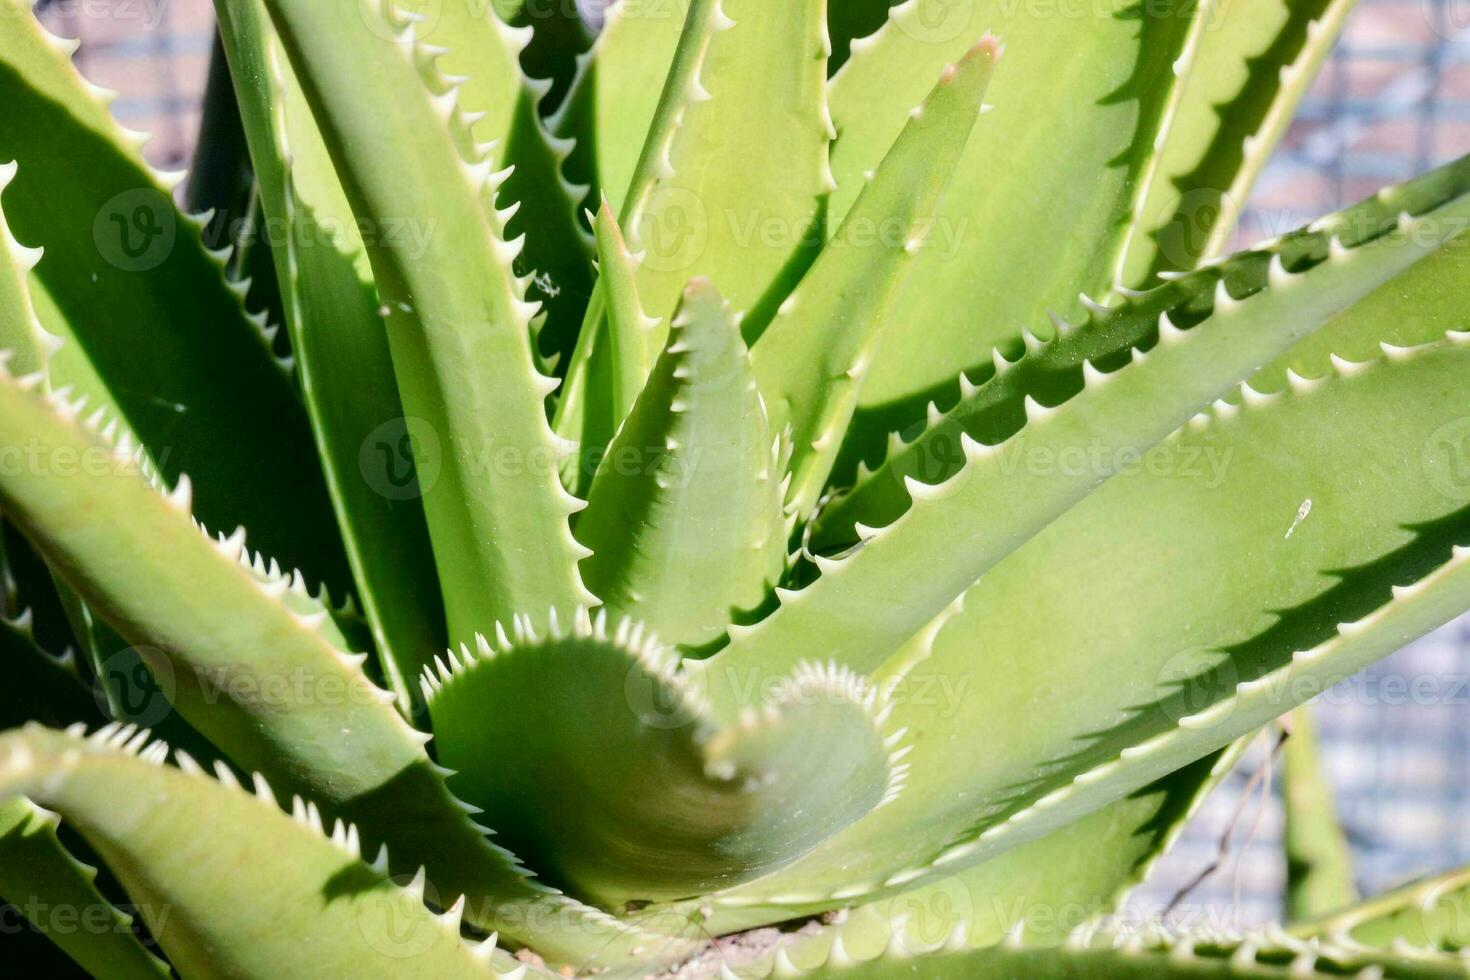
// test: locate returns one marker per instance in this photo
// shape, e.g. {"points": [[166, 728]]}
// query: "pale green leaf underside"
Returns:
{"points": [[591, 721]]}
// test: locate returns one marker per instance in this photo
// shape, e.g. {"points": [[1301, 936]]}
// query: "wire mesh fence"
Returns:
{"points": [[1393, 100]]}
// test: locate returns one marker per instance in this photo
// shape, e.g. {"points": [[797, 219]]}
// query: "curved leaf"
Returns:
{"points": [[38, 874], [228, 883], [683, 802], [865, 606], [458, 320], [342, 355], [151, 328]]}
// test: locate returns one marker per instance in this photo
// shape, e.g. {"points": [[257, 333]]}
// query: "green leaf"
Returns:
{"points": [[595, 395], [151, 328], [865, 606], [753, 224], [486, 53], [258, 667], [683, 802], [617, 94], [1100, 79], [458, 321], [1423, 915], [228, 883], [1255, 61], [1098, 950], [1242, 595], [41, 879], [684, 519], [614, 354], [342, 355], [812, 361], [1319, 867], [1133, 92], [1050, 371]]}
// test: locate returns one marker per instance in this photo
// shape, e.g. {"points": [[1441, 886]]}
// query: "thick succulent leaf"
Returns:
{"points": [[1319, 867], [486, 53], [865, 606], [342, 356], [813, 359], [1255, 61], [1253, 494], [614, 354], [1128, 90], [1051, 371], [1099, 950], [746, 74], [257, 666], [458, 322], [229, 884], [151, 328], [588, 412], [630, 338], [1423, 915], [683, 803], [685, 519], [1101, 80], [1050, 886], [712, 199], [39, 876], [616, 93]]}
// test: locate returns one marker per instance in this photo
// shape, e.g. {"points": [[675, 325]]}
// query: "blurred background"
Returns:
{"points": [[1393, 101]]}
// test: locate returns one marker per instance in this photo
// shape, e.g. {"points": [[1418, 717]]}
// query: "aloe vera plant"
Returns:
{"points": [[755, 466]]}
